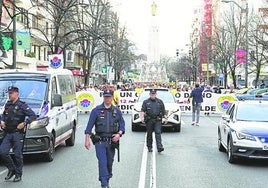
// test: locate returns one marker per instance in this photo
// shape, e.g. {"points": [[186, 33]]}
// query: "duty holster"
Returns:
{"points": [[115, 145], [95, 138]]}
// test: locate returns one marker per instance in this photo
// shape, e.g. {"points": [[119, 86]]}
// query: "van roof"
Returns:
{"points": [[4, 72]]}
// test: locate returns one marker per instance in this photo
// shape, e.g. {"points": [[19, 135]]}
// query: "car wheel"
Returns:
{"points": [[231, 157], [220, 146], [177, 127], [70, 141], [49, 156]]}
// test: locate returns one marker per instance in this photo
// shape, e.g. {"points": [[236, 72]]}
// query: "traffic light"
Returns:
{"points": [[177, 52]]}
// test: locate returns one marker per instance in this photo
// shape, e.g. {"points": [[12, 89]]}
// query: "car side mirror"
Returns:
{"points": [[226, 118], [56, 100]]}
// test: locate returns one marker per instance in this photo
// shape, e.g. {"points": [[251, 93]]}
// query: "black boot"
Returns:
{"points": [[160, 149], [17, 178], [10, 174]]}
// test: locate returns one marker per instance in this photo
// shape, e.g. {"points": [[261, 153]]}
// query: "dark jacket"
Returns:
{"points": [[196, 95], [15, 114], [106, 121]]}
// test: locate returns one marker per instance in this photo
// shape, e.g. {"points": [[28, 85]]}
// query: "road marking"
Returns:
{"points": [[143, 165], [2, 172], [214, 122], [153, 165]]}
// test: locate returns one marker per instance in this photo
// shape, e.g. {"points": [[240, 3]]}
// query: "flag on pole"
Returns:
{"points": [[56, 61], [241, 56]]}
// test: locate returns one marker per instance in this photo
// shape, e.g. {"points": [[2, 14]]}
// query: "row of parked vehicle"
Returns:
{"points": [[252, 93]]}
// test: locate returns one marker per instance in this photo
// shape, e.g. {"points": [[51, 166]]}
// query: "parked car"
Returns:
{"points": [[172, 109], [251, 94], [243, 130]]}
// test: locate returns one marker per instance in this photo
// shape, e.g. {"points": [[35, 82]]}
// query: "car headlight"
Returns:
{"points": [[241, 136], [39, 123]]}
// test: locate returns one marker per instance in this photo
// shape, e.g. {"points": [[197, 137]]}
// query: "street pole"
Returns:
{"points": [[208, 58], [14, 37], [246, 65]]}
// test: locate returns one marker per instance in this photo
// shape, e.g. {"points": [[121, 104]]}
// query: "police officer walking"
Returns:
{"points": [[109, 127], [13, 122], [197, 99], [153, 110]]}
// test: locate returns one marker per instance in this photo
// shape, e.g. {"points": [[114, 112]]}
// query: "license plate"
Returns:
{"points": [[265, 147]]}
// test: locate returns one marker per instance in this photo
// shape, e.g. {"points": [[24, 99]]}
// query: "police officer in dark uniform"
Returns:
{"points": [[109, 127], [13, 122], [153, 110]]}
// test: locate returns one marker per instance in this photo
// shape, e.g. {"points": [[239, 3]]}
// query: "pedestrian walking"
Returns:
{"points": [[109, 127], [197, 99], [13, 121], [153, 110]]}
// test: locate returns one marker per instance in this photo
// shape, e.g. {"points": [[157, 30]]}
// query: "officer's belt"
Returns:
{"points": [[11, 130], [153, 116], [103, 138]]}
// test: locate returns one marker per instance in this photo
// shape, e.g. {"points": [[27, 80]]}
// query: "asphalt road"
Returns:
{"points": [[191, 159]]}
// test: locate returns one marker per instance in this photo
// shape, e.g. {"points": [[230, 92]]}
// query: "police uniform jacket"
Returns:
{"points": [[153, 108], [15, 114], [106, 121]]}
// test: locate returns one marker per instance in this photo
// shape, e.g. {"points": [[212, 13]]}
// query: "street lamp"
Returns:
{"points": [[246, 26]]}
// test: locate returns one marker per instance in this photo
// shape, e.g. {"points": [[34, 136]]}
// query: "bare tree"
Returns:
{"points": [[258, 54], [227, 39]]}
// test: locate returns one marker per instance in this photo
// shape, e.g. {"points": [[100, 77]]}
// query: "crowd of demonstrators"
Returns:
{"points": [[139, 87]]}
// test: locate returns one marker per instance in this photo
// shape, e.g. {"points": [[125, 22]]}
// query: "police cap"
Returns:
{"points": [[153, 91], [108, 93], [12, 89]]}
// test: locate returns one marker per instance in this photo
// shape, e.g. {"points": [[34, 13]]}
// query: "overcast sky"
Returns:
{"points": [[174, 19]]}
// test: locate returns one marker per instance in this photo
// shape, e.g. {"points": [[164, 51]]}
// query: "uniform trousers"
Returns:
{"points": [[15, 141], [105, 155], [154, 125]]}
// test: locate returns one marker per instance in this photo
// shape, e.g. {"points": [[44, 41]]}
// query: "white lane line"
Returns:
{"points": [[2, 172], [153, 165], [214, 122], [143, 166]]}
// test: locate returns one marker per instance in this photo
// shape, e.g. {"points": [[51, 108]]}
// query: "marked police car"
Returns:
{"points": [[243, 130], [172, 109]]}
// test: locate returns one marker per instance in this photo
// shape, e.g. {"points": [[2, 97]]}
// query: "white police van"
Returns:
{"points": [[51, 95]]}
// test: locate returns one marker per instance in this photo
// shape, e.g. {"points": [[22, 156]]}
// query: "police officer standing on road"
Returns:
{"points": [[13, 122], [153, 110], [197, 99], [109, 127]]}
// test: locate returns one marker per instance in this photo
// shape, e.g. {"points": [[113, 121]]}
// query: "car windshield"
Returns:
{"points": [[252, 112], [33, 92], [165, 96]]}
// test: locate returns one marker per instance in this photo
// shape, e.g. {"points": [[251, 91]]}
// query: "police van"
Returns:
{"points": [[51, 95]]}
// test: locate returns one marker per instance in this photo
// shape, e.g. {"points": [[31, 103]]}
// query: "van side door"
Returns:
{"points": [[56, 112]]}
